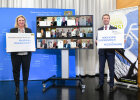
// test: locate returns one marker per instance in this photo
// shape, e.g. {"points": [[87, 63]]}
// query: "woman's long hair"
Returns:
{"points": [[16, 23]]}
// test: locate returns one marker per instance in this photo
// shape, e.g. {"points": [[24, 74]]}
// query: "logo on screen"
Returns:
{"points": [[68, 13]]}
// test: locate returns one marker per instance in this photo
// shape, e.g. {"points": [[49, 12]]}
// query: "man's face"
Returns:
{"points": [[77, 19], [53, 19], [63, 18], [88, 41], [43, 41], [106, 20]]}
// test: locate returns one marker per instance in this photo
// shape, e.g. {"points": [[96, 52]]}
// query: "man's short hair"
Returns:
{"points": [[106, 15]]}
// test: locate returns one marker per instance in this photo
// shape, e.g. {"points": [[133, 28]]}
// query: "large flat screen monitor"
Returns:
{"points": [[64, 32]]}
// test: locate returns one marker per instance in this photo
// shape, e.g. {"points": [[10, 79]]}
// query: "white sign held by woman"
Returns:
{"points": [[19, 42]]}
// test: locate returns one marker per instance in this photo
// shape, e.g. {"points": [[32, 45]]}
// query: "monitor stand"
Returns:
{"points": [[64, 73]]}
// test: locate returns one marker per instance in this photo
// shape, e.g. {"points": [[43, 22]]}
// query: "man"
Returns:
{"points": [[89, 45], [58, 34], [84, 34], [64, 22], [53, 23], [63, 34], [55, 44], [79, 44], [67, 45], [106, 54], [77, 32], [43, 44], [68, 33]]}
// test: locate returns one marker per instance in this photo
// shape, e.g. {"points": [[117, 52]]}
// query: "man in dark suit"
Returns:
{"points": [[89, 45], [67, 45], [64, 22], [106, 54], [53, 23], [79, 44], [68, 33], [58, 34], [43, 44]]}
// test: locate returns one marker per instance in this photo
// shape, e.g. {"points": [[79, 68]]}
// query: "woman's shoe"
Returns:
{"points": [[25, 90], [17, 91]]}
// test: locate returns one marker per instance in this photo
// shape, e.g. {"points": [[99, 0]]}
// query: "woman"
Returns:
{"points": [[19, 58]]}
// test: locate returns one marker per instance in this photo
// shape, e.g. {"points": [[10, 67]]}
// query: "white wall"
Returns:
{"points": [[86, 60]]}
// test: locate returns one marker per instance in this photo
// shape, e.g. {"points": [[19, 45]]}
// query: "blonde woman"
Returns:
{"points": [[19, 58]]}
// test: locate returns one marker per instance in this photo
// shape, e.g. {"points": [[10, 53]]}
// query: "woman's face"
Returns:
{"points": [[21, 22], [42, 31]]}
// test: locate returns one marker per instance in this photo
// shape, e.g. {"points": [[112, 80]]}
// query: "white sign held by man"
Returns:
{"points": [[20, 42], [110, 39]]}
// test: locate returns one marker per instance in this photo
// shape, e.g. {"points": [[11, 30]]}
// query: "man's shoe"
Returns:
{"points": [[17, 91], [25, 90], [99, 87]]}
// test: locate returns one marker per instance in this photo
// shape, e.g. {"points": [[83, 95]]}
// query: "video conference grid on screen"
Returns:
{"points": [[65, 32]]}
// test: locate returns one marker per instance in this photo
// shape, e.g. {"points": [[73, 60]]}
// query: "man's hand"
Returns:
{"points": [[124, 41]]}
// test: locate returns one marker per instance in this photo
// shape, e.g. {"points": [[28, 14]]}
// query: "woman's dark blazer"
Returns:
{"points": [[15, 30]]}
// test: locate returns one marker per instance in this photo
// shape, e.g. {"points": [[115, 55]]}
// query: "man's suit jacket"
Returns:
{"points": [[58, 34], [68, 45], [108, 51], [64, 23], [68, 34], [45, 45], [89, 46], [15, 30], [79, 45], [54, 23]]}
